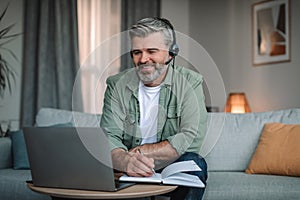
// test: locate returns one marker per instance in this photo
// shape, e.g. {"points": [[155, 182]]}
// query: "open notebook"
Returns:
{"points": [[172, 175]]}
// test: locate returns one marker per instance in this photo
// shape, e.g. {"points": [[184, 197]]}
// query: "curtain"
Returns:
{"points": [[50, 58], [99, 48], [132, 11]]}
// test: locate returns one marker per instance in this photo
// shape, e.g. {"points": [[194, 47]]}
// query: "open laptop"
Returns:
{"points": [[69, 157]]}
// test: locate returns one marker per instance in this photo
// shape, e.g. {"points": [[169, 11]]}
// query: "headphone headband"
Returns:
{"points": [[174, 48]]}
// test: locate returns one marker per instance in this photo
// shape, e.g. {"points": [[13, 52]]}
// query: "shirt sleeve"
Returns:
{"points": [[193, 118], [112, 116]]}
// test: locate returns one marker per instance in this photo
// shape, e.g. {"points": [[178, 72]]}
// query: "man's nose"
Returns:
{"points": [[144, 57]]}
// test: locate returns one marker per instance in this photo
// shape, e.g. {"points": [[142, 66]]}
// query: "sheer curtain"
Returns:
{"points": [[99, 48]]}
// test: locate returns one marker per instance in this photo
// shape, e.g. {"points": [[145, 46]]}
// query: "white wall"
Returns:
{"points": [[223, 28], [10, 104]]}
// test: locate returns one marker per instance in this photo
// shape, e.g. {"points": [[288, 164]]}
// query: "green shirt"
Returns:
{"points": [[182, 113]]}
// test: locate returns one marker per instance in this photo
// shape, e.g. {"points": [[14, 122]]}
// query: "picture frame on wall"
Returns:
{"points": [[271, 32]]}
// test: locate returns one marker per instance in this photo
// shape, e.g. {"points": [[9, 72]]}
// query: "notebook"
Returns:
{"points": [[71, 158], [172, 175]]}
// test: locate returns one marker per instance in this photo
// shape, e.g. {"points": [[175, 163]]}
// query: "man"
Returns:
{"points": [[154, 114]]}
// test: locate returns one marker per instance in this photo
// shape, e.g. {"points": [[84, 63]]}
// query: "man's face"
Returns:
{"points": [[149, 56]]}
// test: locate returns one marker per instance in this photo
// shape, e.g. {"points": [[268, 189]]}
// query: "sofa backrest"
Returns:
{"points": [[230, 141], [52, 116], [236, 136]]}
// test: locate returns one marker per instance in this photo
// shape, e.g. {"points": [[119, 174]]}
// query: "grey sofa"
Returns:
{"points": [[13, 181], [235, 137], [230, 143]]}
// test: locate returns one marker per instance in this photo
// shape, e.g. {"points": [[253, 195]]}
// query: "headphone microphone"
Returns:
{"points": [[168, 62]]}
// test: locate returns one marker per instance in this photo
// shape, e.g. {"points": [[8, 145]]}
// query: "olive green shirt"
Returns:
{"points": [[181, 116]]}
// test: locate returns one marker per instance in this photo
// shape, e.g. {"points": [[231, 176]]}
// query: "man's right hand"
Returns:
{"points": [[132, 163]]}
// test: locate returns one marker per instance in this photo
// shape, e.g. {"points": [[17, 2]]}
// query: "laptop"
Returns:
{"points": [[71, 158]]}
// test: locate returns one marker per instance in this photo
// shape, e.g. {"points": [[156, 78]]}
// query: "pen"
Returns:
{"points": [[143, 155]]}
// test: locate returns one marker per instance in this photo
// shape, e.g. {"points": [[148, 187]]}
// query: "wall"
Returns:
{"points": [[10, 104], [223, 28]]}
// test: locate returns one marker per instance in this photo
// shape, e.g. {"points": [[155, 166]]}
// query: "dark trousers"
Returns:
{"points": [[191, 193]]}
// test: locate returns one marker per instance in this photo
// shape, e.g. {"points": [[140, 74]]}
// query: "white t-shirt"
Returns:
{"points": [[148, 98]]}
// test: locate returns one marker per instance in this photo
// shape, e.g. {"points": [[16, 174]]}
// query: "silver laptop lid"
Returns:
{"points": [[76, 158]]}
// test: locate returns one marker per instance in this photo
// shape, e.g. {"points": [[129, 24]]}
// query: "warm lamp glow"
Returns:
{"points": [[237, 103]]}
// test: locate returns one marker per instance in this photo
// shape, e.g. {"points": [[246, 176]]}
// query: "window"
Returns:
{"points": [[98, 21]]}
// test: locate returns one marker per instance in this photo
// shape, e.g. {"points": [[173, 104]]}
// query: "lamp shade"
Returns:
{"points": [[237, 103]]}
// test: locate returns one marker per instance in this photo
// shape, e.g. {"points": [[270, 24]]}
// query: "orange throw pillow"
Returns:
{"points": [[278, 151]]}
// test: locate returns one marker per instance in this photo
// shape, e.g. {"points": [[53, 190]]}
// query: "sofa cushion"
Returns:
{"points": [[5, 153], [239, 185], [13, 186], [232, 138], [278, 151], [20, 158], [52, 116]]}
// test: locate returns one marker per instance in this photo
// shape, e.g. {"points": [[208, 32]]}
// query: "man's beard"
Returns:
{"points": [[148, 78]]}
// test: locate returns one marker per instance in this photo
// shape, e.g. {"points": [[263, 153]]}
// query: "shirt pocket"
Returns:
{"points": [[129, 130], [130, 124], [173, 120]]}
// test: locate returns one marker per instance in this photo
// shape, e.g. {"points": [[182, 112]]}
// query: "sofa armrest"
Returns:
{"points": [[5, 153]]}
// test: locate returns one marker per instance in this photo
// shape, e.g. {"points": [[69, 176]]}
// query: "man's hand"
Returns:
{"points": [[162, 152], [133, 163]]}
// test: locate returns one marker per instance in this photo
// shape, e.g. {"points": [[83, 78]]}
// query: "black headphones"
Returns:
{"points": [[174, 48]]}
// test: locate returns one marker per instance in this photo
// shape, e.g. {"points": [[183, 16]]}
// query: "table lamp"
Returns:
{"points": [[237, 103]]}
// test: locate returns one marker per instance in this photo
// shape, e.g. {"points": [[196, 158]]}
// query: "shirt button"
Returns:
{"points": [[137, 141]]}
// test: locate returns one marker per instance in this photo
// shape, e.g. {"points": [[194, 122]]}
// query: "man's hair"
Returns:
{"points": [[146, 26]]}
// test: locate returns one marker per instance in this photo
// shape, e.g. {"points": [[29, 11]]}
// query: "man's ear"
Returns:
{"points": [[131, 54]]}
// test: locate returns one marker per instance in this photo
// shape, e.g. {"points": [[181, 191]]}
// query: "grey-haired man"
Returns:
{"points": [[156, 108]]}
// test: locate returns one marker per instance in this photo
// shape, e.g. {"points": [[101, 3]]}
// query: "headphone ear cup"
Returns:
{"points": [[174, 50]]}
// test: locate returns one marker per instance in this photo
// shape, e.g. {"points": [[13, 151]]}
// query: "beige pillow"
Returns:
{"points": [[278, 151]]}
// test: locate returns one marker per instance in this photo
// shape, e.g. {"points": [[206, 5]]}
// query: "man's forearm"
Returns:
{"points": [[162, 152]]}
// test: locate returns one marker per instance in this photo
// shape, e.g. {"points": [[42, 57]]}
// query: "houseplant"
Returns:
{"points": [[7, 73]]}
